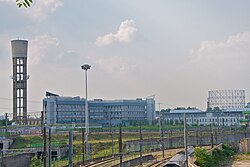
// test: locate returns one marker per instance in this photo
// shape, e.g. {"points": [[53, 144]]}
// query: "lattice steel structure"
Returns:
{"points": [[20, 77], [226, 99]]}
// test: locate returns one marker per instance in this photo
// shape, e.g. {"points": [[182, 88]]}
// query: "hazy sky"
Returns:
{"points": [[176, 50]]}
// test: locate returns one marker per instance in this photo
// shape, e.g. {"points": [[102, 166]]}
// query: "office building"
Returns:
{"points": [[61, 110]]}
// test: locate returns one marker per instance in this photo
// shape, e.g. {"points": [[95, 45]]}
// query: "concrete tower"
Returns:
{"points": [[20, 77]]}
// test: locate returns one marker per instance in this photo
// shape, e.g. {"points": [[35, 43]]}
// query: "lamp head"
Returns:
{"points": [[86, 67]]}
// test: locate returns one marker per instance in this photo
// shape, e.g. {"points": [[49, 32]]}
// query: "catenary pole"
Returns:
{"points": [[185, 140], [140, 144], [120, 144], [44, 147], [70, 148]]}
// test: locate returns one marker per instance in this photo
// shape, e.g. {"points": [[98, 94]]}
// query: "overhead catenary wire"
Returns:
{"points": [[10, 109], [31, 101]]}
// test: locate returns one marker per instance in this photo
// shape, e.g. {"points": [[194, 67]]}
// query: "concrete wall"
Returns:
{"points": [[244, 146], [176, 142], [6, 143], [21, 160]]}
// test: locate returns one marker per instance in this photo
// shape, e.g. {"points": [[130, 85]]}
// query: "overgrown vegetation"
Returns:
{"points": [[217, 158], [35, 162], [3, 122]]}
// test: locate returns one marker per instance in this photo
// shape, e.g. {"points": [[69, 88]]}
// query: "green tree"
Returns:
{"points": [[203, 159], [219, 157], [217, 109], [3, 122], [167, 110]]}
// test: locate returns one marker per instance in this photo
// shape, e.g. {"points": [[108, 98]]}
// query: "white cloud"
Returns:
{"points": [[124, 33], [113, 64], [40, 47], [223, 64], [235, 48], [47, 50], [41, 9]]}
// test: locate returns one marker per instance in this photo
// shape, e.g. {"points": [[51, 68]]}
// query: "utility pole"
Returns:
{"points": [[86, 67], [1, 152], [185, 140], [6, 122], [170, 139], [44, 147], [245, 131], [49, 147], [120, 144], [212, 136], [110, 126], [196, 136], [216, 138], [70, 148], [160, 130], [2, 164], [112, 136], [162, 143], [200, 137], [140, 145], [83, 146], [42, 121], [159, 119]]}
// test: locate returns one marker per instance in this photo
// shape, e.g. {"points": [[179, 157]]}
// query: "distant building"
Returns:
{"points": [[2, 117], [246, 118], [229, 117], [60, 110], [248, 105], [218, 118], [225, 99], [185, 111]]}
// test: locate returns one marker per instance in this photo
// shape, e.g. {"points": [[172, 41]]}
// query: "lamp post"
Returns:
{"points": [[86, 67]]}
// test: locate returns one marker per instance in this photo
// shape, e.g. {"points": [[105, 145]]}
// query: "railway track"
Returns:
{"points": [[101, 163], [159, 163]]}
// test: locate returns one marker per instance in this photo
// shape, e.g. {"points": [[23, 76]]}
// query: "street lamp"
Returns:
{"points": [[86, 67]]}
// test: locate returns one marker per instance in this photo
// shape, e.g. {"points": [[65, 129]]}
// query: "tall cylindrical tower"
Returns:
{"points": [[20, 77]]}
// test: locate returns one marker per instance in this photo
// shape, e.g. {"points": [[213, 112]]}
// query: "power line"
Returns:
{"points": [[10, 99], [10, 109]]}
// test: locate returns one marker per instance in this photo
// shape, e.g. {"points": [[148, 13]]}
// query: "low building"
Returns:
{"points": [[61, 110], [246, 118], [2, 117], [219, 118], [185, 111]]}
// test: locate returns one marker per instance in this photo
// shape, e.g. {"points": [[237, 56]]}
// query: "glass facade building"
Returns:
{"points": [[61, 110]]}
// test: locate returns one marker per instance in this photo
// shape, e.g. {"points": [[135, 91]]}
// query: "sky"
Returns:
{"points": [[174, 49]]}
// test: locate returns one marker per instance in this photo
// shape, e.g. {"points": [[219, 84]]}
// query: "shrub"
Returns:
{"points": [[203, 158]]}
